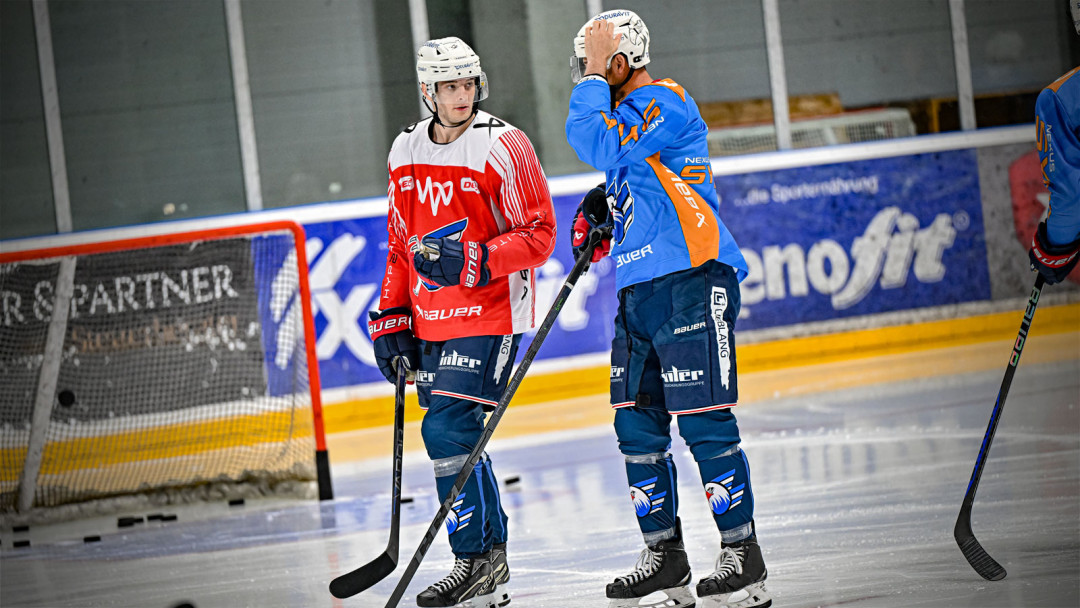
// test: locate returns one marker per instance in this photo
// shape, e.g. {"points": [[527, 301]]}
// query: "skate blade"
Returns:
{"points": [[750, 596], [676, 597], [498, 599]]}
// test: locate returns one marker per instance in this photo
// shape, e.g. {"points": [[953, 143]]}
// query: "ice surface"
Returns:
{"points": [[857, 492]]}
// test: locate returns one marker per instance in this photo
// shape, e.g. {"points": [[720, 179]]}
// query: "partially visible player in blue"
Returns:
{"points": [[677, 273], [1057, 137]]}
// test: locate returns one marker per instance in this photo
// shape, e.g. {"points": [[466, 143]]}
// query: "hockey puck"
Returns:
{"points": [[154, 517], [406, 500], [236, 502], [66, 398], [22, 543], [169, 517], [127, 522], [91, 539], [20, 528], [512, 479]]}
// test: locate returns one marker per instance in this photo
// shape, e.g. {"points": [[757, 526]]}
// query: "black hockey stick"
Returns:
{"points": [[580, 266], [351, 583], [979, 559]]}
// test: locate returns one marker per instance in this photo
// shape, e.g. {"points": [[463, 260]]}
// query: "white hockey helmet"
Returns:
{"points": [[1074, 8], [449, 59], [634, 44]]}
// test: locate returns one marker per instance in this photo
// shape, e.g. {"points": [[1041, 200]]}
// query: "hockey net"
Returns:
{"points": [[849, 128], [176, 366]]}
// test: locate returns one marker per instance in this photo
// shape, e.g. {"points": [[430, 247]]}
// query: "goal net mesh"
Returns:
{"points": [[181, 364], [853, 127]]}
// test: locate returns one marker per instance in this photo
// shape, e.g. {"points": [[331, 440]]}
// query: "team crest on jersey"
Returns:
{"points": [[451, 231], [435, 193], [721, 495], [458, 518], [645, 498], [621, 203]]}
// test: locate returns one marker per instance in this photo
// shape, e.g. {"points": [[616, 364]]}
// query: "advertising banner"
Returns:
{"points": [[822, 242], [858, 238]]}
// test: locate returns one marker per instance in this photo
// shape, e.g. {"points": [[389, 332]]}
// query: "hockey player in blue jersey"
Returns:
{"points": [[1056, 243], [677, 274]]}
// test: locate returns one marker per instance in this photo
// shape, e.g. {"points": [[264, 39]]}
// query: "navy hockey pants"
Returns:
{"points": [[674, 353]]}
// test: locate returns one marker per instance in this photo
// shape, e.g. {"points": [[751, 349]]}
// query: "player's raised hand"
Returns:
{"points": [[450, 263], [601, 42]]}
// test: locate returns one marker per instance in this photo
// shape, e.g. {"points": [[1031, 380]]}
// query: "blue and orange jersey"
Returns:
{"points": [[654, 152], [1057, 138]]}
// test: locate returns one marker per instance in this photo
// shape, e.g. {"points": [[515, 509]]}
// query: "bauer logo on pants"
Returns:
{"points": [[721, 495], [718, 306], [645, 501]]}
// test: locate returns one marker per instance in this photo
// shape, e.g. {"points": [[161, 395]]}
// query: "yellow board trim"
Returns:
{"points": [[760, 357], [174, 441], [253, 430]]}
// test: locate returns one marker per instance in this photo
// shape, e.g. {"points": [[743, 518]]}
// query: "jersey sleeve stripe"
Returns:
{"points": [[527, 167]]}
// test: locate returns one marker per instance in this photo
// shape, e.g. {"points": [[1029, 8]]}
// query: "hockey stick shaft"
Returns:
{"points": [[351, 583], [493, 419], [976, 556]]}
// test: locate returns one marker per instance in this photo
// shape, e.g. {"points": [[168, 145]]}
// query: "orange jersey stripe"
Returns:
{"points": [[699, 224], [1054, 86]]}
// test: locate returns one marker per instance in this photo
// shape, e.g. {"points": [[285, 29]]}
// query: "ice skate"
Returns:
{"points": [[501, 572], [675, 597], [660, 567], [469, 585], [739, 579]]}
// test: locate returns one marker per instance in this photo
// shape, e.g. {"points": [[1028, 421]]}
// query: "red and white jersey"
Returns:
{"points": [[486, 186]]}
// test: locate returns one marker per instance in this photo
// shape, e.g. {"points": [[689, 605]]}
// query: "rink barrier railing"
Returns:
{"points": [[591, 377], [377, 206]]}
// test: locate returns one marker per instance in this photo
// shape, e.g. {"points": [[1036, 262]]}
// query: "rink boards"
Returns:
{"points": [[853, 251]]}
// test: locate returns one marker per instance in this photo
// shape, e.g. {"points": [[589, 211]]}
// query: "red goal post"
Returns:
{"points": [[177, 363]]}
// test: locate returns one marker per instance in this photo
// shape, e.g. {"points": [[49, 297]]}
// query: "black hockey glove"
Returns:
{"points": [[1054, 262], [449, 262], [592, 213], [391, 333]]}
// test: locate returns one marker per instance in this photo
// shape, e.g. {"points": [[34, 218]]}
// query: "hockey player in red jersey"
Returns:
{"points": [[470, 218], [677, 273]]}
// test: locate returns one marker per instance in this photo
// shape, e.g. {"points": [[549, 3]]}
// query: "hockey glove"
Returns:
{"points": [[1054, 262], [391, 333], [449, 262], [592, 213]]}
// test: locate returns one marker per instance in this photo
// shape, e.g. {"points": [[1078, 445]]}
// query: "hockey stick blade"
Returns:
{"points": [[351, 583], [980, 560], [580, 265], [973, 551]]}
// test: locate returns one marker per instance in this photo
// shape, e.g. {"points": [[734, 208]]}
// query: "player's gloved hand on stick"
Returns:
{"points": [[391, 333], [449, 262], [592, 213], [1054, 262]]}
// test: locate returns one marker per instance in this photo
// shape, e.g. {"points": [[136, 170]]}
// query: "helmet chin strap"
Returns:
{"points": [[435, 114]]}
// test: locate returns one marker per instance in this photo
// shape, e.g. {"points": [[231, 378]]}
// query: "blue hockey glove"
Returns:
{"points": [[449, 262], [592, 213], [1054, 262], [391, 333]]}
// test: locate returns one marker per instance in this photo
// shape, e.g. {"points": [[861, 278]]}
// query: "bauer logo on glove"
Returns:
{"points": [[449, 263]]}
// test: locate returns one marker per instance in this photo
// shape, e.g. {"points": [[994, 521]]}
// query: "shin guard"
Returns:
{"points": [[727, 488], [653, 483], [476, 517]]}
